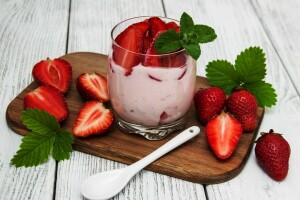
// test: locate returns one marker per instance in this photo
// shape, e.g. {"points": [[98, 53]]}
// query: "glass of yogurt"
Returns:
{"points": [[150, 93]]}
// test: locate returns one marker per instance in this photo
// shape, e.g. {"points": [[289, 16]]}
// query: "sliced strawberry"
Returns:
{"points": [[152, 60], [49, 99], [92, 87], [223, 134], [57, 73], [92, 119], [130, 42], [156, 25], [142, 26], [147, 43], [173, 25], [173, 60]]}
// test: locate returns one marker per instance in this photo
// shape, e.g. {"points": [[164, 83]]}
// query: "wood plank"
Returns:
{"points": [[29, 31], [91, 23], [238, 27], [125, 148], [280, 20]]}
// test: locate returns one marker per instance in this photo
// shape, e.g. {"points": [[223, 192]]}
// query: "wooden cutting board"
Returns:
{"points": [[193, 161]]}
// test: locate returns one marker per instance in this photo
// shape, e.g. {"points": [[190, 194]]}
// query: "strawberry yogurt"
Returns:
{"points": [[152, 96]]}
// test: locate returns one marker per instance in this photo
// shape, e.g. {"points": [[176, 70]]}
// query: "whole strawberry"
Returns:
{"points": [[243, 105], [272, 152], [209, 102]]}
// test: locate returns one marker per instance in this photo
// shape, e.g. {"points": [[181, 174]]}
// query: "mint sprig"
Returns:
{"points": [[248, 72], [45, 139], [189, 37]]}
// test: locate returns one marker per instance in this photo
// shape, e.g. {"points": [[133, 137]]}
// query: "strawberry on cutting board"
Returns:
{"points": [[92, 119], [243, 105], [272, 152], [209, 102], [92, 87], [56, 73], [223, 134], [49, 99]]}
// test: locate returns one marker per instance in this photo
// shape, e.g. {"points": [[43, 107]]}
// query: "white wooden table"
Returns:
{"points": [[33, 30]]}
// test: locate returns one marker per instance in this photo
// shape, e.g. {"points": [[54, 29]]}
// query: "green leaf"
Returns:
{"points": [[221, 73], [264, 93], [46, 138], [186, 23], [39, 121], [250, 65], [193, 49], [204, 33], [34, 150], [167, 42], [62, 146]]}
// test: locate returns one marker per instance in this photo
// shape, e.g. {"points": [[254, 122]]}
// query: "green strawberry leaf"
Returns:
{"points": [[46, 138], [34, 150], [264, 93], [250, 65], [221, 73]]}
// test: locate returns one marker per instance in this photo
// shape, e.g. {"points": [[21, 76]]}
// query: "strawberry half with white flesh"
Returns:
{"points": [[56, 73], [223, 134], [93, 119], [92, 87], [49, 99]]}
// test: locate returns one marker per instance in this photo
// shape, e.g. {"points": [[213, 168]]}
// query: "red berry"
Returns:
{"points": [[93, 119], [173, 25], [56, 73], [49, 99], [243, 105], [272, 152], [209, 102], [223, 134], [156, 25], [92, 87], [130, 42]]}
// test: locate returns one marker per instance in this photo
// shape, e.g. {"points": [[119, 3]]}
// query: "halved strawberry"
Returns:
{"points": [[49, 99], [143, 26], [92, 87], [223, 134], [130, 42], [92, 119], [173, 25], [156, 25], [152, 60], [57, 73]]}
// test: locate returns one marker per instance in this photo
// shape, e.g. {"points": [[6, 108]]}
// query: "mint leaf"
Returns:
{"points": [[221, 73], [62, 146], [250, 65], [193, 49], [186, 23], [46, 138], [39, 121], [167, 42], [264, 92], [34, 150], [204, 33]]}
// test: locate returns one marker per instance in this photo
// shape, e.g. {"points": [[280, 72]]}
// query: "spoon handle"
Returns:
{"points": [[173, 143]]}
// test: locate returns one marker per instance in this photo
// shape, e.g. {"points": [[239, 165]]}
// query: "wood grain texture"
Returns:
{"points": [[29, 32], [90, 24], [238, 27], [192, 161], [281, 23]]}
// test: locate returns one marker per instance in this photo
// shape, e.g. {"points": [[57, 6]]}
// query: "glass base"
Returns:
{"points": [[151, 133]]}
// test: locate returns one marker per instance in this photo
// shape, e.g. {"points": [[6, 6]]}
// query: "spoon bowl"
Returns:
{"points": [[107, 184]]}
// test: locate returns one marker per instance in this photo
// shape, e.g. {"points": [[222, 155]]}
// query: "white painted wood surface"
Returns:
{"points": [[29, 32], [32, 30]]}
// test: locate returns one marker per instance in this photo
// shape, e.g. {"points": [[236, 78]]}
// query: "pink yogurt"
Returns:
{"points": [[152, 96]]}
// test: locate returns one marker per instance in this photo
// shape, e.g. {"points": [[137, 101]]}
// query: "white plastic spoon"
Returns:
{"points": [[109, 183]]}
